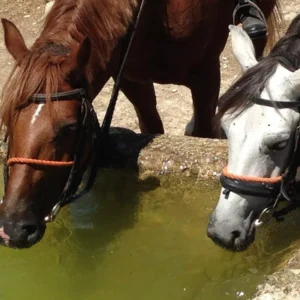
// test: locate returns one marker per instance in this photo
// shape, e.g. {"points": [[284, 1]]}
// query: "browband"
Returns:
{"points": [[73, 94]]}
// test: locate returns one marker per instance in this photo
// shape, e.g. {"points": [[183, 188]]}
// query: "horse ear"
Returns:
{"points": [[242, 47], [83, 53], [14, 41]]}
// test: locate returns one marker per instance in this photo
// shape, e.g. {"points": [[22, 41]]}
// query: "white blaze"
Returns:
{"points": [[37, 113]]}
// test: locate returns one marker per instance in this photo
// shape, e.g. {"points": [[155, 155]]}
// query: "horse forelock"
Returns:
{"points": [[39, 70]]}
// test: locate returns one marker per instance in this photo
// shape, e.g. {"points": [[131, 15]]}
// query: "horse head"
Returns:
{"points": [[50, 128], [260, 116]]}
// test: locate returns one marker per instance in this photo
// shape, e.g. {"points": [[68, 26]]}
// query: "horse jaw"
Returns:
{"points": [[251, 136], [292, 84]]}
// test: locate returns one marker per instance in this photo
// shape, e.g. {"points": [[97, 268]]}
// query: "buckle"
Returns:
{"points": [[53, 214]]}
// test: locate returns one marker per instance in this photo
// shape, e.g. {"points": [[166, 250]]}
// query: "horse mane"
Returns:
{"points": [[103, 22], [51, 57], [250, 85]]}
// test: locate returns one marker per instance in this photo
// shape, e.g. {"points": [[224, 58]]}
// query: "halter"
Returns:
{"points": [[277, 188], [75, 175]]}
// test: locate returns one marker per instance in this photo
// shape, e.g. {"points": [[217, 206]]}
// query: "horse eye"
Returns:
{"points": [[64, 131], [69, 127], [278, 145]]}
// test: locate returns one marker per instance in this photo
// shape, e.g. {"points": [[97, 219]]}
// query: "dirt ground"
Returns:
{"points": [[173, 101]]}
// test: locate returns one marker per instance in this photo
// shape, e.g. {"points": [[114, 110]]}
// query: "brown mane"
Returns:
{"points": [[68, 23]]}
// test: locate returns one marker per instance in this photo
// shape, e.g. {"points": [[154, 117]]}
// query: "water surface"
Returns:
{"points": [[141, 240]]}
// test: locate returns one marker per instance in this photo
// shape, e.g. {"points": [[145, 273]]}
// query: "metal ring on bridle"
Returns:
{"points": [[54, 212]]}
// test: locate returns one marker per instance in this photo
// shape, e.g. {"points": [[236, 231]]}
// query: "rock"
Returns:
{"points": [[282, 285], [163, 154]]}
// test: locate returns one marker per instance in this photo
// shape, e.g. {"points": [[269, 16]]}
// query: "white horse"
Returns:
{"points": [[260, 135]]}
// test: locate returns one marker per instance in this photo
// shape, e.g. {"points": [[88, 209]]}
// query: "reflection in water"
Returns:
{"points": [[146, 240]]}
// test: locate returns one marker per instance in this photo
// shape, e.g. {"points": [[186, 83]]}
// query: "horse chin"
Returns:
{"points": [[236, 238], [239, 244]]}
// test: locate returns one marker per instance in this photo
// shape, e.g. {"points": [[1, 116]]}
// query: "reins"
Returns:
{"points": [[114, 97]]}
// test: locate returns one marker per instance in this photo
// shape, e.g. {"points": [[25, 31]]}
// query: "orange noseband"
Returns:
{"points": [[39, 162], [250, 178]]}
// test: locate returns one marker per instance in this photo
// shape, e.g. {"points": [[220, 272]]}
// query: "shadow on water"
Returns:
{"points": [[110, 209], [113, 205]]}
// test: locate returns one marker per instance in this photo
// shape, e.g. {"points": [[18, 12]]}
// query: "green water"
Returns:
{"points": [[146, 240]]}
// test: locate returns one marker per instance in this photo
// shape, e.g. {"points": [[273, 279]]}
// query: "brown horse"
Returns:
{"points": [[79, 49]]}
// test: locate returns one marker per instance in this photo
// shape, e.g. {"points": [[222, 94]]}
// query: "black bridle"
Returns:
{"points": [[278, 191], [99, 135]]}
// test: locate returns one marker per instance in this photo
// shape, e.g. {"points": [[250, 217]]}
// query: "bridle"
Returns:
{"points": [[99, 134], [88, 122], [276, 189]]}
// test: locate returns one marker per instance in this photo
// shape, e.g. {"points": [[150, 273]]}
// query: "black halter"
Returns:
{"points": [[275, 191]]}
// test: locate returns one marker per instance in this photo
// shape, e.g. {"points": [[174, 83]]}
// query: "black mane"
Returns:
{"points": [[240, 95]]}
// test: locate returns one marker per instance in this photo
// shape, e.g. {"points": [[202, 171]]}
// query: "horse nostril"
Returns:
{"points": [[30, 229], [22, 233], [236, 233]]}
